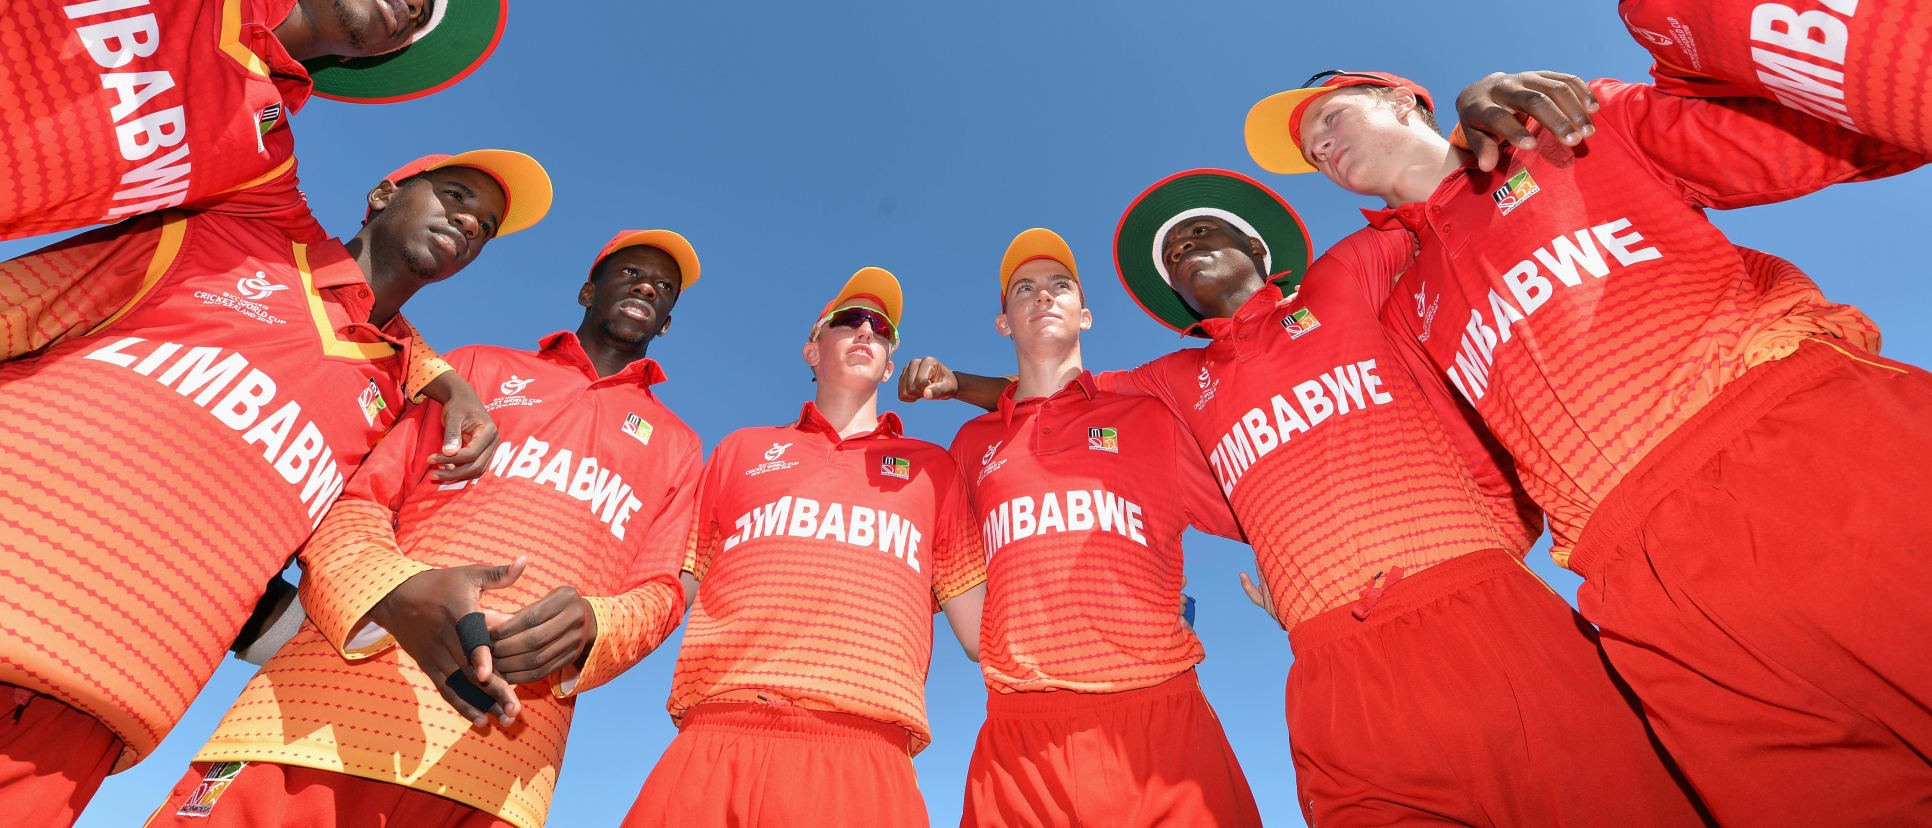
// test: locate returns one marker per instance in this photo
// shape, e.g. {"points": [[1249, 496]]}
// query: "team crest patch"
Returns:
{"points": [[371, 403], [1300, 322], [1103, 439], [637, 427], [202, 801], [1515, 191], [898, 467], [266, 119]]}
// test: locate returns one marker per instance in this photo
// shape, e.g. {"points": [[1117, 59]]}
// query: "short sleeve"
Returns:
{"points": [[957, 556], [77, 285], [703, 531]]}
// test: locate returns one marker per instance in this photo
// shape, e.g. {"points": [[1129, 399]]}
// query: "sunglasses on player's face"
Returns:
{"points": [[852, 316]]}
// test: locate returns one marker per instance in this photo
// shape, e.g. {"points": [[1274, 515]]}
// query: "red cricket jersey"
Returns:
{"points": [[823, 561], [1857, 63], [1081, 508], [1583, 304], [155, 472], [595, 481], [1334, 457], [114, 108]]}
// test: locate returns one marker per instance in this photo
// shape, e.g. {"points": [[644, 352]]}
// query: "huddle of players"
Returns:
{"points": [[1719, 450]]}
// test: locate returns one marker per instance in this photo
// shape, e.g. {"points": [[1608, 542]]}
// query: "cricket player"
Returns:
{"points": [[1722, 454], [593, 488], [1435, 679], [115, 108], [167, 457], [820, 551], [1094, 715]]}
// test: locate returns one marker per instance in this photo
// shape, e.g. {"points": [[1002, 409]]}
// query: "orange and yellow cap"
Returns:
{"points": [[526, 186], [875, 284], [665, 240], [1035, 243], [1274, 125]]}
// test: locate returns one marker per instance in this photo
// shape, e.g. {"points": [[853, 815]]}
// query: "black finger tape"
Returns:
{"points": [[468, 691], [472, 633]]}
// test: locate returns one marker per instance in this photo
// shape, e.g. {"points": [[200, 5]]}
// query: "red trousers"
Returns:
{"points": [[268, 795], [746, 765], [52, 759], [1150, 757], [1469, 694], [1761, 582]]}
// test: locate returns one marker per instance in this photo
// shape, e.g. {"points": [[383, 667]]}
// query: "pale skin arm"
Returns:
{"points": [[963, 614]]}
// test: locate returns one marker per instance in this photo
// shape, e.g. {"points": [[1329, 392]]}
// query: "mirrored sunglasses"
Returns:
{"points": [[853, 316]]}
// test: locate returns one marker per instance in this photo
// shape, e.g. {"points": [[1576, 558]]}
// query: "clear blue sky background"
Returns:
{"points": [[794, 143]]}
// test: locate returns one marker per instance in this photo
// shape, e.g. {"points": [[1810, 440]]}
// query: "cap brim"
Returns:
{"points": [[680, 250], [873, 282], [527, 185], [1036, 243], [1276, 223], [1271, 135], [468, 32]]}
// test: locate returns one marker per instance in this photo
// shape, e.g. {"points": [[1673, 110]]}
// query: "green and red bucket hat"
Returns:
{"points": [[1230, 196], [459, 36]]}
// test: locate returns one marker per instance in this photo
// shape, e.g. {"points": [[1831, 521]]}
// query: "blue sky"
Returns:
{"points": [[795, 143]]}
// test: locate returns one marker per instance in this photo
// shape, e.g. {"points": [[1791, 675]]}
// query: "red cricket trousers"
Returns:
{"points": [[270, 795], [1761, 582], [52, 759], [746, 765], [1469, 694], [1155, 756]]}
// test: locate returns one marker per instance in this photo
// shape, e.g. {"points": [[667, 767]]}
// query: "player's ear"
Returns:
{"points": [[383, 193], [1086, 319], [889, 369], [586, 293], [1000, 324], [1402, 100], [1257, 249], [666, 327], [810, 352]]}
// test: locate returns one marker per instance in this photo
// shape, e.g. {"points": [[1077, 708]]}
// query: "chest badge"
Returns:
{"points": [[637, 427], [1300, 322], [371, 403], [1103, 439], [1515, 191], [898, 467]]}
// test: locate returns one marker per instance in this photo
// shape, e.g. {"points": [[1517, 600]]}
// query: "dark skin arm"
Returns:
{"points": [[554, 632], [1496, 109], [926, 378], [469, 435], [422, 612]]}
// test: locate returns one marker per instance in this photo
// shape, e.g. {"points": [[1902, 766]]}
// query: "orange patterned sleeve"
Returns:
{"points": [[631, 625], [76, 285], [705, 534], [353, 560], [958, 556], [424, 365]]}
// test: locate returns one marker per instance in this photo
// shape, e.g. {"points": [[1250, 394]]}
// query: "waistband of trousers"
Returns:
{"points": [[1404, 596], [1052, 703], [783, 720], [1742, 403]]}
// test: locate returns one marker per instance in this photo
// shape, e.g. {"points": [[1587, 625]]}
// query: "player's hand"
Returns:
{"points": [[553, 633], [422, 613], [1497, 108], [926, 378], [1257, 590], [469, 435]]}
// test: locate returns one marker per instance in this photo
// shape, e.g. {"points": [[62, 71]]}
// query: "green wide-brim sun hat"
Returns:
{"points": [[1241, 200], [461, 36]]}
